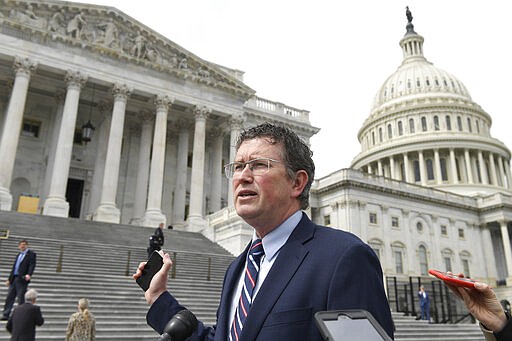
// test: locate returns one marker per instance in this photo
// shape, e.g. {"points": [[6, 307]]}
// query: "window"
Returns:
{"points": [[373, 218], [436, 123], [448, 264], [376, 246], [416, 166], [390, 132], [459, 123], [444, 172], [30, 128], [461, 233], [424, 123], [469, 125], [411, 126], [448, 123], [400, 128], [477, 127], [395, 222], [419, 226], [422, 253], [327, 220], [444, 230], [373, 138], [399, 266], [430, 169], [465, 267], [380, 134]]}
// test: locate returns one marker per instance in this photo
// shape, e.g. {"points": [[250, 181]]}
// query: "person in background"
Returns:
{"points": [[483, 304], [24, 319], [424, 303], [19, 278], [81, 325], [156, 241], [293, 267]]}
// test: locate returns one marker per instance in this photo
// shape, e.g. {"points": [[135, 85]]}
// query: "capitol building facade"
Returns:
{"points": [[104, 119]]}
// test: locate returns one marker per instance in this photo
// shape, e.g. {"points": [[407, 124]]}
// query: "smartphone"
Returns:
{"points": [[453, 279], [152, 266]]}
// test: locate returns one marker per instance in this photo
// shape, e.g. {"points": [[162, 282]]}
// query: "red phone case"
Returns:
{"points": [[452, 279]]}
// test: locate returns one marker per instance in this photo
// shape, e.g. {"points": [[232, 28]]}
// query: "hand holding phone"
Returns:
{"points": [[153, 265], [453, 279]]}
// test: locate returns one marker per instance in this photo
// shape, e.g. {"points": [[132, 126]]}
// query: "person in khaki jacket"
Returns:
{"points": [[483, 304]]}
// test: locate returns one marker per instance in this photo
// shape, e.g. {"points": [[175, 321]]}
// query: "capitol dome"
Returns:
{"points": [[424, 128]]}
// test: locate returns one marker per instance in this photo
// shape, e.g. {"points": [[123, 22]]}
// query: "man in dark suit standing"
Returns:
{"points": [[294, 267], [424, 304], [24, 319], [20, 276]]}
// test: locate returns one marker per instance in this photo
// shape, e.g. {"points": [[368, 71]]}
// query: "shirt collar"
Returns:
{"points": [[274, 240]]}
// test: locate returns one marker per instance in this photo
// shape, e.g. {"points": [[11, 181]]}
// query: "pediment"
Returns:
{"points": [[110, 32]]}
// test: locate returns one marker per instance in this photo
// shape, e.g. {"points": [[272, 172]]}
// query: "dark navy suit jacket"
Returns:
{"points": [[27, 265], [317, 269]]}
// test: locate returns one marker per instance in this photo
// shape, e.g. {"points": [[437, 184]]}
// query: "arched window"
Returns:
{"points": [[411, 125], [477, 127], [444, 173], [422, 254], [373, 138], [459, 123], [436, 123], [416, 166], [380, 134], [424, 123], [390, 132], [430, 169], [469, 125], [448, 123], [400, 128]]}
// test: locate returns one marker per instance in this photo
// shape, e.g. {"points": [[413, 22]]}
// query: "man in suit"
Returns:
{"points": [[305, 267], [24, 319], [424, 304], [20, 276]]}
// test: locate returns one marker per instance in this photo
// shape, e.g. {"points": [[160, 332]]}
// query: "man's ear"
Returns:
{"points": [[299, 182]]}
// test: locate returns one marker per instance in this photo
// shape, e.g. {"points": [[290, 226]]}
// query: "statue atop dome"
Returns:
{"points": [[410, 26]]}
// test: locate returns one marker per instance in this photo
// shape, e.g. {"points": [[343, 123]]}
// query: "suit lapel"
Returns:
{"points": [[230, 282], [287, 262]]}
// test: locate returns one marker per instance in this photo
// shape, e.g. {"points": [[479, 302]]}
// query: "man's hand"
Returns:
{"points": [[158, 283], [483, 304]]}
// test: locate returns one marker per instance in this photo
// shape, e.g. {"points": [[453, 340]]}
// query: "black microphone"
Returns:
{"points": [[180, 326]]}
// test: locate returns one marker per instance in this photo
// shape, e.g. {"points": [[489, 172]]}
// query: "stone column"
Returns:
{"points": [[423, 176], [101, 138], [506, 247], [379, 168], [180, 193], [392, 167], [107, 211], [141, 186], [437, 164], [507, 171], [197, 176], [469, 171], [217, 170], [236, 123], [483, 170], [453, 163], [370, 170], [494, 175], [406, 168], [23, 67], [56, 204], [153, 215], [502, 171]]}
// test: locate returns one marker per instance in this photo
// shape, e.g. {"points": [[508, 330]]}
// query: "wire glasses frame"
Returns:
{"points": [[257, 166]]}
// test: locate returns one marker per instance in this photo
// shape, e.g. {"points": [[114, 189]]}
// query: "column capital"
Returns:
{"points": [[162, 102], [24, 65], [121, 91], [202, 112], [236, 121], [75, 79]]}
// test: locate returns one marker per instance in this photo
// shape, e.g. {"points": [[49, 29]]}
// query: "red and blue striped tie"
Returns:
{"points": [[250, 278]]}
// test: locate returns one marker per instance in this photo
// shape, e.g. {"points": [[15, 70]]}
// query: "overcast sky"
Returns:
{"points": [[331, 57]]}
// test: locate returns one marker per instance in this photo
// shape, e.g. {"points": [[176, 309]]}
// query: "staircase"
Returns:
{"points": [[410, 329], [78, 259]]}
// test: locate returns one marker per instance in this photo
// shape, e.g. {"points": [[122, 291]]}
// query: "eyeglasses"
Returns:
{"points": [[257, 166]]}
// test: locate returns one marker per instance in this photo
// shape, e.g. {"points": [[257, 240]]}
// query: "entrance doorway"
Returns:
{"points": [[74, 192]]}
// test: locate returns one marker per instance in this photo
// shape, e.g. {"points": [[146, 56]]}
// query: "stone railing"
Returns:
{"points": [[271, 107]]}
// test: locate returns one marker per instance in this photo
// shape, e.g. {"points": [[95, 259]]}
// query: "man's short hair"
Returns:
{"points": [[31, 295]]}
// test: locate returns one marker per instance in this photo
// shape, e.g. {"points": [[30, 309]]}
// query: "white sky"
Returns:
{"points": [[331, 56]]}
